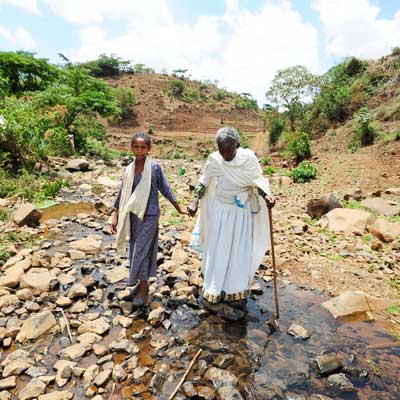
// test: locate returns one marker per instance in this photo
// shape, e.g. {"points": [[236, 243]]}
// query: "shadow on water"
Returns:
{"points": [[66, 210]]}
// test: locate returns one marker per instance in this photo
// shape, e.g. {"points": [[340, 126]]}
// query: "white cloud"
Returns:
{"points": [[27, 5], [354, 28], [241, 49], [20, 38]]}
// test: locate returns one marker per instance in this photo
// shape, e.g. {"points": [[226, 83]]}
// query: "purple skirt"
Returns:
{"points": [[143, 248]]}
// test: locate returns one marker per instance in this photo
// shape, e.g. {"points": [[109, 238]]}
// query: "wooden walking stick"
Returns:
{"points": [[275, 322]]}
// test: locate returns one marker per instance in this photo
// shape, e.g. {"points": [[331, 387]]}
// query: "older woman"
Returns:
{"points": [[232, 231]]}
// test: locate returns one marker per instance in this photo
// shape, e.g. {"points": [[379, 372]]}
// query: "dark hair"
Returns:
{"points": [[141, 135]]}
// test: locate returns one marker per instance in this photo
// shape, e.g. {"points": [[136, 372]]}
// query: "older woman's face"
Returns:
{"points": [[227, 150]]}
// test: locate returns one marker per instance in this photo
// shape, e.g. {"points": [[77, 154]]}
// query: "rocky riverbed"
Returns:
{"points": [[68, 329]]}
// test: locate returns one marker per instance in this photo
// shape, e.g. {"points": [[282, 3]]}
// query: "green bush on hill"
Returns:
{"points": [[175, 88], [299, 146], [277, 126], [304, 172], [364, 132], [244, 101]]}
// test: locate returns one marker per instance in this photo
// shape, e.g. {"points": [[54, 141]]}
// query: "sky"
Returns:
{"points": [[239, 43]]}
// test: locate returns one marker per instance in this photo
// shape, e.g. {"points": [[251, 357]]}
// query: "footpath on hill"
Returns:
{"points": [[68, 328]]}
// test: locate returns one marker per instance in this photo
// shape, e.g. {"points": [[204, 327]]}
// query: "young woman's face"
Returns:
{"points": [[227, 151], [140, 148]]}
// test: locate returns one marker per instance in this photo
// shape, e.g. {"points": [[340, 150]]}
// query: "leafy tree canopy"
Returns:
{"points": [[23, 72]]}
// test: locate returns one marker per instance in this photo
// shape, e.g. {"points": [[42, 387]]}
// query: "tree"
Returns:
{"points": [[291, 88], [80, 95], [24, 72]]}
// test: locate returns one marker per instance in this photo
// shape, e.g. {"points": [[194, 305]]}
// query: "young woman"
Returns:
{"points": [[137, 213]]}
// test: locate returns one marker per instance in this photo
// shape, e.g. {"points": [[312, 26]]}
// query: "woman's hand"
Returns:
{"points": [[270, 201], [179, 209], [193, 207], [114, 223]]}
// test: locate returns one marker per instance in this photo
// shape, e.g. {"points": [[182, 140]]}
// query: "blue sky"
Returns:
{"points": [[240, 43]]}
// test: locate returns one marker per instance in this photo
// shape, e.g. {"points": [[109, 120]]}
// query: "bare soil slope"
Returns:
{"points": [[179, 117]]}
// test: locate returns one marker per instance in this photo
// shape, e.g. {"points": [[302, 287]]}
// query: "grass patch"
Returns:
{"points": [[394, 283], [5, 214], [335, 257], [16, 239], [330, 236], [353, 204], [394, 310], [366, 238], [269, 170], [29, 186]]}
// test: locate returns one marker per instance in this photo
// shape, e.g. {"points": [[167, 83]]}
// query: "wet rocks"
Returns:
{"points": [[328, 364], [316, 208], [77, 291], [8, 383], [229, 393], [27, 214], [205, 393], [36, 326], [219, 377], [99, 326], [298, 331], [75, 351], [340, 383]]}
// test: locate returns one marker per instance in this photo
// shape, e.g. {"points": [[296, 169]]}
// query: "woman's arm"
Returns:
{"points": [[165, 189]]}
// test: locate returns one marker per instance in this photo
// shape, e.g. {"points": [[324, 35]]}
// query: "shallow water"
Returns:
{"points": [[67, 210]]}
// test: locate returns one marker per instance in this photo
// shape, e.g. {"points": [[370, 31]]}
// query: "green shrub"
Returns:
{"points": [[277, 126], [266, 160], [98, 148], [364, 132], [175, 88], [219, 95], [299, 146], [244, 141], [304, 172], [245, 102], [269, 170], [22, 185], [126, 100]]}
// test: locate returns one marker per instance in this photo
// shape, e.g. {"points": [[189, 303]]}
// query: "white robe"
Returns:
{"points": [[232, 230]]}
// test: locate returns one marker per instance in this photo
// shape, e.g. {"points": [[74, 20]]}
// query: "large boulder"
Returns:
{"points": [[109, 182], [36, 325], [347, 220], [381, 206], [78, 164], [27, 214], [316, 208], [350, 303], [384, 230]]}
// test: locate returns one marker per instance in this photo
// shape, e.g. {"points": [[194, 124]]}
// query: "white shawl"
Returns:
{"points": [[244, 170], [135, 202]]}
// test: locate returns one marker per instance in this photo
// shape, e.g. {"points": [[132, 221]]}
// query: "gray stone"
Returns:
{"points": [[341, 383], [328, 363], [219, 377], [78, 164], [297, 330]]}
